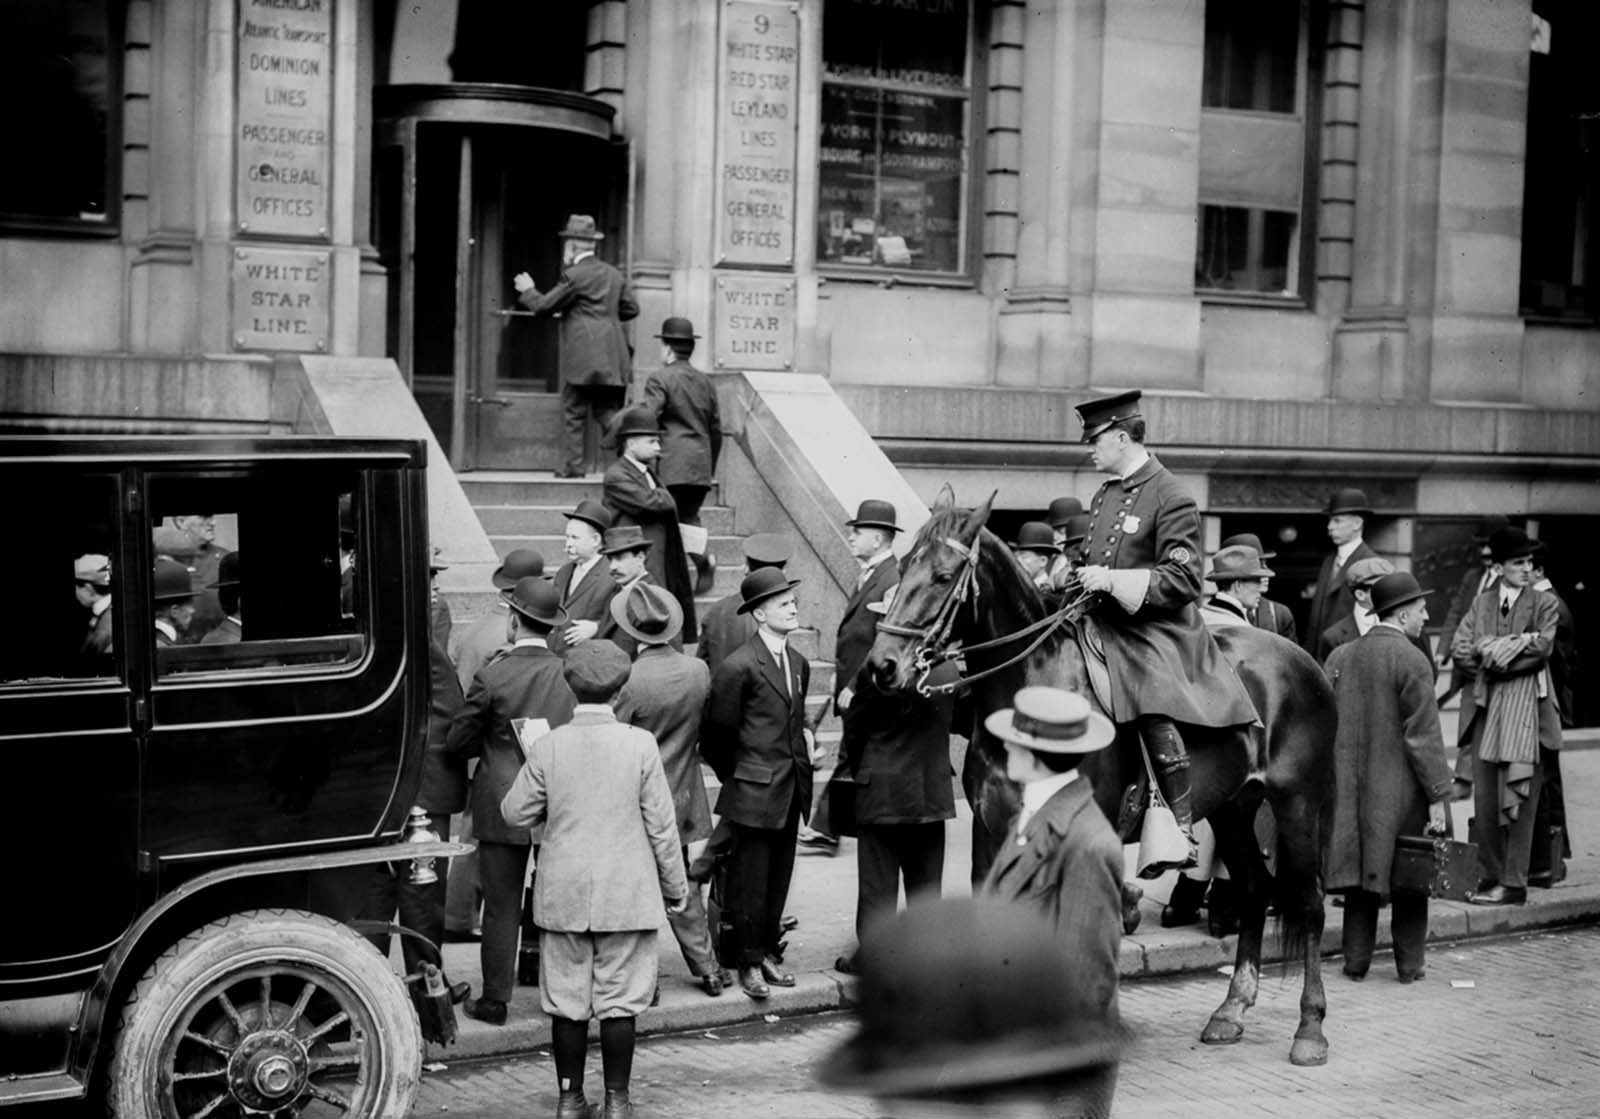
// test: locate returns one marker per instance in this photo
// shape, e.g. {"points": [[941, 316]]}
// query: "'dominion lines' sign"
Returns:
{"points": [[284, 67]]}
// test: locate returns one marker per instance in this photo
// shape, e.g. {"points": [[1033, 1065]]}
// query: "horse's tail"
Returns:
{"points": [[1297, 885]]}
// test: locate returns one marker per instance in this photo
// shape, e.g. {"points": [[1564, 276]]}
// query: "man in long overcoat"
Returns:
{"points": [[593, 300], [635, 496], [685, 403], [1390, 775], [1331, 599]]}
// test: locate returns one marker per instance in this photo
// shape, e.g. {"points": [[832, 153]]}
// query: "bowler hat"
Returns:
{"points": [[1349, 501], [647, 613], [1231, 564], [594, 670], [1365, 572], [1035, 536], [1249, 540], [634, 421], [1076, 529], [93, 569], [1394, 590], [1101, 414], [172, 580], [623, 538], [591, 512], [227, 572], [874, 514], [580, 227], [521, 563], [1490, 525], [1063, 509], [537, 600], [1052, 721], [762, 584], [961, 993], [1512, 543], [677, 329], [766, 549]]}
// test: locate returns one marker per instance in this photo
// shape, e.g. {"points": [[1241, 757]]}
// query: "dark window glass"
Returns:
{"points": [[57, 76], [1252, 55], [1245, 250]]}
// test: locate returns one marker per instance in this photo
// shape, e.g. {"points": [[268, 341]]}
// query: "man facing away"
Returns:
{"points": [[636, 497], [685, 403], [724, 629]]}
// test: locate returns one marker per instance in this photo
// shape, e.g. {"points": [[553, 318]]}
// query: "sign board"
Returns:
{"points": [[758, 109], [281, 299], [754, 322], [284, 91]]}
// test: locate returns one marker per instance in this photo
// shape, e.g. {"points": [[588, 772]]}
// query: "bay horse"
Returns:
{"points": [[960, 585]]}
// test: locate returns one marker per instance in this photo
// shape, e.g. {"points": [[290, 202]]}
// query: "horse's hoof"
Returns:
{"points": [[1308, 1051], [1220, 1031]]}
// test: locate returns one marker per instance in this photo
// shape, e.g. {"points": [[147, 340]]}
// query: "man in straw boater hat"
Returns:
{"points": [[635, 496], [1142, 556], [685, 403], [593, 300], [1272, 616]]}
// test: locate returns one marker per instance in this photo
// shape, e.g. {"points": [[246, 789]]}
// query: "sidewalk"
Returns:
{"points": [[823, 900]]}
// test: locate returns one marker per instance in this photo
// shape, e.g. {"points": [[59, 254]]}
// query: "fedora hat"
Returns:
{"points": [[537, 600], [593, 513], [1249, 540], [624, 538], [1035, 536], [1351, 501], [1076, 529], [647, 613], [1052, 721], [1512, 543], [1230, 565], [1488, 526], [521, 563], [93, 569], [580, 227], [634, 421], [766, 549], [1062, 510], [874, 514], [1395, 589], [1101, 414], [171, 580], [677, 329], [1365, 572], [762, 584]]}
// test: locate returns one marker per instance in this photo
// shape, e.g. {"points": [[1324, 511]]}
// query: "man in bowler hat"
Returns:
{"points": [[1068, 527], [592, 300], [487, 635], [1331, 600], [174, 599], [584, 581], [724, 629], [635, 496], [685, 403], [1037, 551]]}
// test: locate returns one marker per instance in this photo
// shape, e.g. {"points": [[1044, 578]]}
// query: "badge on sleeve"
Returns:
{"points": [[1180, 554], [1130, 523]]}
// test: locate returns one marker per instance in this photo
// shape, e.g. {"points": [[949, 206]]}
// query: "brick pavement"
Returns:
{"points": [[1520, 1043]]}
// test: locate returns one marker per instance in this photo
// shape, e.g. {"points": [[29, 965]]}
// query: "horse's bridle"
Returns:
{"points": [[932, 642]]}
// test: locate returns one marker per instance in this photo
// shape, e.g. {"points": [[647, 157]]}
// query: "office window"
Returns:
{"points": [[896, 122], [1255, 130], [59, 74]]}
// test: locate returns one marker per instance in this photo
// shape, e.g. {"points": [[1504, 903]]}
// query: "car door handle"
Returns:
{"points": [[498, 402]]}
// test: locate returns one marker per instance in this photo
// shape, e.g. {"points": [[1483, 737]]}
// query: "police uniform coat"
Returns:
{"points": [[753, 735], [723, 630], [593, 300], [523, 682], [1160, 657], [858, 626], [589, 601], [685, 403], [1274, 617], [1331, 599], [666, 695], [632, 501], [1388, 758]]}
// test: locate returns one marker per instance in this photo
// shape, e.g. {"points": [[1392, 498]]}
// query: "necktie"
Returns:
{"points": [[1505, 608], [783, 667]]}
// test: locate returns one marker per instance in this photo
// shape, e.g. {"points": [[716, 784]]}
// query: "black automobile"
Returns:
{"points": [[213, 702]]}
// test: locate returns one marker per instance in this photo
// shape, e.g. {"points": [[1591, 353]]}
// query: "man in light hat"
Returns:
{"points": [[1037, 551], [724, 629], [486, 636], [592, 300], [584, 581], [514, 699], [92, 586], [174, 599], [1331, 598], [666, 695], [1240, 576], [636, 497], [1274, 617], [1142, 556], [685, 403]]}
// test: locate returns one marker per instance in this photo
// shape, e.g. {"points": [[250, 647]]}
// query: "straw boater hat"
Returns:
{"points": [[1394, 590], [537, 600], [762, 584], [1230, 565], [647, 613], [1052, 721]]}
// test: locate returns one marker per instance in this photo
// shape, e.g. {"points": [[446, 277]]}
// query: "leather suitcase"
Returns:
{"points": [[1432, 865]]}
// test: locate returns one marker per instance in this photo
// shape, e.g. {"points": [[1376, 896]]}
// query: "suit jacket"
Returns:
{"points": [[897, 747], [666, 695], [685, 403], [723, 630], [1274, 617], [1533, 612], [632, 501], [753, 735], [522, 683], [480, 641], [611, 851], [1331, 599], [444, 775], [858, 626], [589, 601], [1068, 867], [1466, 591], [1346, 630], [227, 632], [593, 300]]}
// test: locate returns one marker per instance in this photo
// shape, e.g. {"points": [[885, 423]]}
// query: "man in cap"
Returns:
{"points": [[486, 636], [755, 737], [1036, 551], [174, 598], [685, 404], [636, 497], [625, 550], [92, 586], [592, 300], [230, 630], [1331, 600], [666, 695], [584, 581], [724, 629], [1390, 775], [513, 700], [1359, 577], [1143, 557], [1506, 640], [1274, 617]]}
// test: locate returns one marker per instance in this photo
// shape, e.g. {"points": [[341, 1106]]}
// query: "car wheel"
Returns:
{"points": [[269, 1012]]}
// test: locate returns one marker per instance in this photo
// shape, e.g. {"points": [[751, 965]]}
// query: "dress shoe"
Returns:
{"points": [[754, 986], [772, 974], [1412, 976], [1358, 976], [846, 965], [1499, 895], [789, 922], [617, 1106], [491, 1011], [572, 1105], [1183, 907], [713, 983], [1544, 879], [819, 843]]}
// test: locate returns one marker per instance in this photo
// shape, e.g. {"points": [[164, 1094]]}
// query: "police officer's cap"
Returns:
{"points": [[1107, 411], [766, 549]]}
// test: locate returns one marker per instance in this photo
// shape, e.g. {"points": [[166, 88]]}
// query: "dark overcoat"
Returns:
{"points": [[666, 695], [1345, 630], [226, 632], [444, 775], [858, 626], [1274, 617], [632, 501], [589, 601], [524, 682], [723, 630], [685, 403], [1331, 598], [897, 747], [1388, 757], [481, 640], [593, 301], [753, 735], [1161, 658]]}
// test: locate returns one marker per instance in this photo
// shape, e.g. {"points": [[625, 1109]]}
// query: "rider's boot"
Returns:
{"points": [[1171, 762]]}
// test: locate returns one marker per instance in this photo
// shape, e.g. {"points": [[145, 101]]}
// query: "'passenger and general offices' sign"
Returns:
{"points": [[281, 299], [753, 322], [284, 91], [758, 108]]}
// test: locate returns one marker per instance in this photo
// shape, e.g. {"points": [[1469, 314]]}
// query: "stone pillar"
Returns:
{"points": [[1341, 114], [605, 66], [1003, 142]]}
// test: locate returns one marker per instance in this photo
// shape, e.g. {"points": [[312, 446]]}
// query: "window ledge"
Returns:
{"points": [[1254, 299], [1552, 318], [886, 278], [18, 226]]}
